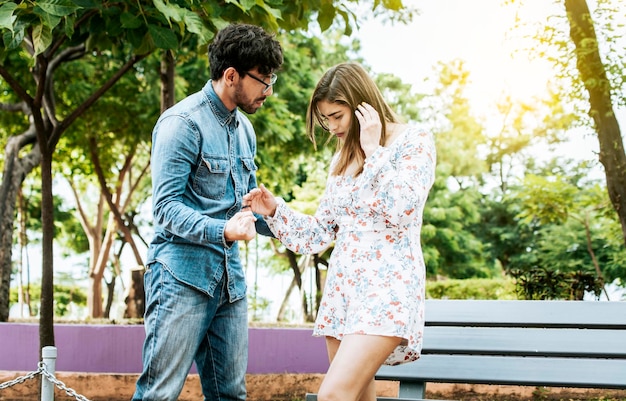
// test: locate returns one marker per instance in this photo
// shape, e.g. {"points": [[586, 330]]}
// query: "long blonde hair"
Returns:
{"points": [[348, 84]]}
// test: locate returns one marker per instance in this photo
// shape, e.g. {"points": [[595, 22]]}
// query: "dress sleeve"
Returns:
{"points": [[302, 233], [395, 181]]}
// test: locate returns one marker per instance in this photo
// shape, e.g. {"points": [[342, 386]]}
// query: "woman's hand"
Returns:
{"points": [[261, 201], [371, 128]]}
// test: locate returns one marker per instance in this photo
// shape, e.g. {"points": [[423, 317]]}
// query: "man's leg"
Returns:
{"points": [[175, 319], [222, 358]]}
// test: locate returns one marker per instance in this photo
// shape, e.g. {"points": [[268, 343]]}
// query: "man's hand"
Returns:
{"points": [[240, 227]]}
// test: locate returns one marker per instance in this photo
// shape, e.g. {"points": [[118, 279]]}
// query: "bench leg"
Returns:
{"points": [[413, 390]]}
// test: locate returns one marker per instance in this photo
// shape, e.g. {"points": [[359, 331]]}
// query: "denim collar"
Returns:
{"points": [[223, 115]]}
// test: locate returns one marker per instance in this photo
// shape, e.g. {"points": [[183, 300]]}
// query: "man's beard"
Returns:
{"points": [[245, 104]]}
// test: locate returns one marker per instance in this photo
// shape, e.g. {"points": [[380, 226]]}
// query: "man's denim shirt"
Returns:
{"points": [[202, 165]]}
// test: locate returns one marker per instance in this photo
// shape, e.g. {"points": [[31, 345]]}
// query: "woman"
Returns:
{"points": [[372, 309]]}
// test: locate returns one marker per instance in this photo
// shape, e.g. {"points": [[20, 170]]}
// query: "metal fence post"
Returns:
{"points": [[49, 359]]}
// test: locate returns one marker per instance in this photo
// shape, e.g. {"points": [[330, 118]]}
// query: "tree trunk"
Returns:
{"points": [[117, 222], [593, 75], [46, 317], [135, 300], [320, 280], [298, 269], [168, 65], [94, 298], [15, 170], [110, 296]]}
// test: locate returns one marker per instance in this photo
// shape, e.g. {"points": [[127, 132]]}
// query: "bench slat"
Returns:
{"points": [[525, 341], [528, 371], [313, 397], [492, 313]]}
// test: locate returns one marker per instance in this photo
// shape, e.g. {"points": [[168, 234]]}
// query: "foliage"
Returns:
{"points": [[256, 304], [504, 240], [539, 283], [472, 288], [593, 81], [572, 223], [68, 232], [64, 296], [459, 133], [451, 248], [551, 42]]}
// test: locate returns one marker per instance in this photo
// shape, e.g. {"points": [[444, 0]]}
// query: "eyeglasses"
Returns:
{"points": [[273, 79]]}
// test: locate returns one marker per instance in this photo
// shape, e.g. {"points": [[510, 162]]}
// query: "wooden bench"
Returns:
{"points": [[527, 343]]}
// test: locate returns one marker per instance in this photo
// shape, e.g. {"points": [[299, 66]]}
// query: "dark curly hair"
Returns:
{"points": [[244, 47]]}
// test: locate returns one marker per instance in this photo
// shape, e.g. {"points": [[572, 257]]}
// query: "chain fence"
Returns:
{"points": [[47, 375]]}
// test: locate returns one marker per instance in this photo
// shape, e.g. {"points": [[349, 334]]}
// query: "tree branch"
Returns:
{"points": [[93, 98], [15, 107], [17, 88], [69, 54]]}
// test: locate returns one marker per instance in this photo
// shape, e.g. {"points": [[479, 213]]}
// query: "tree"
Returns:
{"points": [[592, 81], [573, 227], [601, 92], [49, 34], [104, 157], [451, 249]]}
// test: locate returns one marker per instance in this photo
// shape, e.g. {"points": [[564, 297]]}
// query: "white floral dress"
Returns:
{"points": [[376, 275]]}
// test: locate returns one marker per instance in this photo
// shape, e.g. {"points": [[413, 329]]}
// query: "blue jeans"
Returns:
{"points": [[184, 325]]}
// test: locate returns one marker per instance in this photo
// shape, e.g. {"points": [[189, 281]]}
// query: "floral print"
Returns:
{"points": [[376, 275]]}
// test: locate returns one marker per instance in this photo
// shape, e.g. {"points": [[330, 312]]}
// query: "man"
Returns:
{"points": [[203, 151]]}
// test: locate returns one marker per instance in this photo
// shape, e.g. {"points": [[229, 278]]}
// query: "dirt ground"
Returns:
{"points": [[283, 387]]}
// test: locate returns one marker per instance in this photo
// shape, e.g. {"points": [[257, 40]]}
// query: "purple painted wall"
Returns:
{"points": [[117, 349]]}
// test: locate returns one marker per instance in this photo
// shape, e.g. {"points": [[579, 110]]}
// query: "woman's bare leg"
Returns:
{"points": [[353, 363]]}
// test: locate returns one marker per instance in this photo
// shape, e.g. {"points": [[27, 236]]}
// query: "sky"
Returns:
{"points": [[475, 31], [478, 32]]}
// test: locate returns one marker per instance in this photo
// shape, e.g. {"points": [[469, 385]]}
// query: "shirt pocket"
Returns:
{"points": [[212, 177], [249, 169]]}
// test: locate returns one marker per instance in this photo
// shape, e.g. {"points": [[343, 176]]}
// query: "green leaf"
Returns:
{"points": [[59, 8], [48, 19], [13, 41], [136, 37], [346, 19], [171, 12], [395, 5], [69, 25], [42, 38], [130, 21], [326, 16], [195, 25], [271, 11], [88, 3], [192, 21], [6, 16], [163, 38], [245, 4]]}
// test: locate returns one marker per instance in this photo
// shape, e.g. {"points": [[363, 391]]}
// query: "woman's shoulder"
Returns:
{"points": [[409, 133]]}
